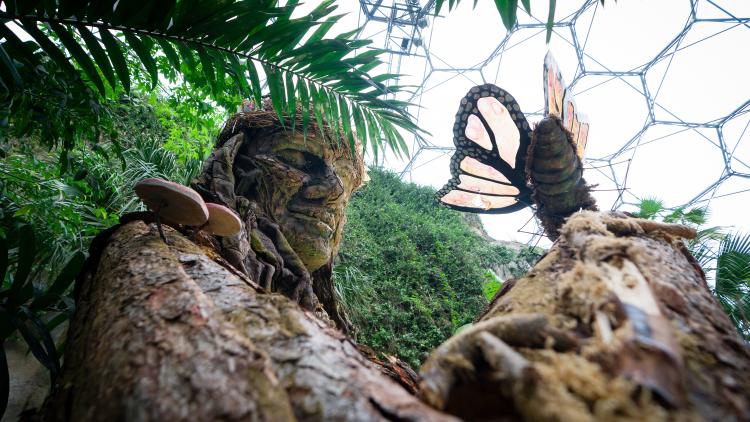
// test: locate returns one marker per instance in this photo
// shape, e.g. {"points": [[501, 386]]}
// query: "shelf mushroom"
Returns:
{"points": [[222, 221], [172, 202]]}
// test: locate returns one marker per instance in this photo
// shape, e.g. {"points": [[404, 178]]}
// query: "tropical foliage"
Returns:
{"points": [[223, 48], [732, 280], [725, 257], [48, 218], [411, 272]]}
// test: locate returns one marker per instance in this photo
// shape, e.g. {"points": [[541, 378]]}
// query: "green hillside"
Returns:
{"points": [[411, 272]]}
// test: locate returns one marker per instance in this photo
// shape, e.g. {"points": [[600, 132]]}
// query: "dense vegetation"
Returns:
{"points": [[411, 272], [50, 211]]}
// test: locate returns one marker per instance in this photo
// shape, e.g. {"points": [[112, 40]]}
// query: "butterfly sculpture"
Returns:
{"points": [[502, 165]]}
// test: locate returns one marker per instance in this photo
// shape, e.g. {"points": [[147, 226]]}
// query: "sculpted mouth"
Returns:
{"points": [[321, 217]]}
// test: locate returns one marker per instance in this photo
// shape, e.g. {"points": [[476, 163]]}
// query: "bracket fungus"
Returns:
{"points": [[172, 202], [222, 221]]}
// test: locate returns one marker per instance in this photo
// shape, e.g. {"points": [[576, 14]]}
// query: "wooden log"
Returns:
{"points": [[166, 332], [615, 322]]}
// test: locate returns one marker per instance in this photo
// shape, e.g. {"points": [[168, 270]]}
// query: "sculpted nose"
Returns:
{"points": [[328, 188]]}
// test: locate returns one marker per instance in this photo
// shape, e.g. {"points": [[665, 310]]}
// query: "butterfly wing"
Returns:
{"points": [[559, 102], [575, 123], [582, 135], [554, 88], [491, 136]]}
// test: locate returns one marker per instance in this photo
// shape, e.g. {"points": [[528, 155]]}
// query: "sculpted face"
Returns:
{"points": [[304, 185]]}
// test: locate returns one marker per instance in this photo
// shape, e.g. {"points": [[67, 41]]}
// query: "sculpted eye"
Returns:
{"points": [[293, 158]]}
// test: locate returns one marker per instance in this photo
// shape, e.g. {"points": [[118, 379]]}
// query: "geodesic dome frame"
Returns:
{"points": [[406, 25]]}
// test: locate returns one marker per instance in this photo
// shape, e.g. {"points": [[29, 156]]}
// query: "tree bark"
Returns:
{"points": [[172, 332], [615, 322]]}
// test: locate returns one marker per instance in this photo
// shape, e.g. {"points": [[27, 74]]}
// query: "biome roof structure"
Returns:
{"points": [[664, 86]]}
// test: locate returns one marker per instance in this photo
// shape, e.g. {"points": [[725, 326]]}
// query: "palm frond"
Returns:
{"points": [[649, 208], [218, 41], [733, 280], [508, 11]]}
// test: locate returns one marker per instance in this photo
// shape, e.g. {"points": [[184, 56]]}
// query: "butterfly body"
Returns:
{"points": [[501, 165], [556, 173]]}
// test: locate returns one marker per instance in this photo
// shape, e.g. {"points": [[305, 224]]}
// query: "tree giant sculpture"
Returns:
{"points": [[616, 321]]}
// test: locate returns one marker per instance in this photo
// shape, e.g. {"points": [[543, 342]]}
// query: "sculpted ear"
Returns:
{"points": [[216, 183]]}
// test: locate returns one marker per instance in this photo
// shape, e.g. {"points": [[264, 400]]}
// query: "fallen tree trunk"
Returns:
{"points": [[165, 332], [615, 322]]}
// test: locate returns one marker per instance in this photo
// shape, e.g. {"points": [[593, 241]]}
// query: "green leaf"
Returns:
{"points": [[317, 108], [208, 69], [57, 320], [323, 29], [144, 54], [347, 123], [161, 12], [239, 75], [170, 53], [34, 345], [16, 48], [99, 55], [304, 98], [188, 61], [116, 57], [220, 69], [550, 19], [438, 6], [3, 260], [255, 81], [649, 208], [32, 329], [333, 111], [507, 9], [275, 82], [394, 134], [291, 106], [80, 56], [526, 5], [359, 123], [26, 255], [263, 31], [61, 283], [374, 132], [10, 67]]}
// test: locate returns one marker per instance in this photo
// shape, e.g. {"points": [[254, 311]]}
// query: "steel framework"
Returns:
{"points": [[404, 25]]}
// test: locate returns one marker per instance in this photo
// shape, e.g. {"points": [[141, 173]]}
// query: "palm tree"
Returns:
{"points": [[723, 257], [732, 286]]}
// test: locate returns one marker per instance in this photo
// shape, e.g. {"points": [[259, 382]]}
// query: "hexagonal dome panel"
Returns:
{"points": [[665, 90]]}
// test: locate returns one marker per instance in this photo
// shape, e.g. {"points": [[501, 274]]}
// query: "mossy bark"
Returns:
{"points": [[616, 322], [171, 332]]}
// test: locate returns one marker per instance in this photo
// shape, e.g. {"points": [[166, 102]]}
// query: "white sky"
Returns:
{"points": [[704, 81]]}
